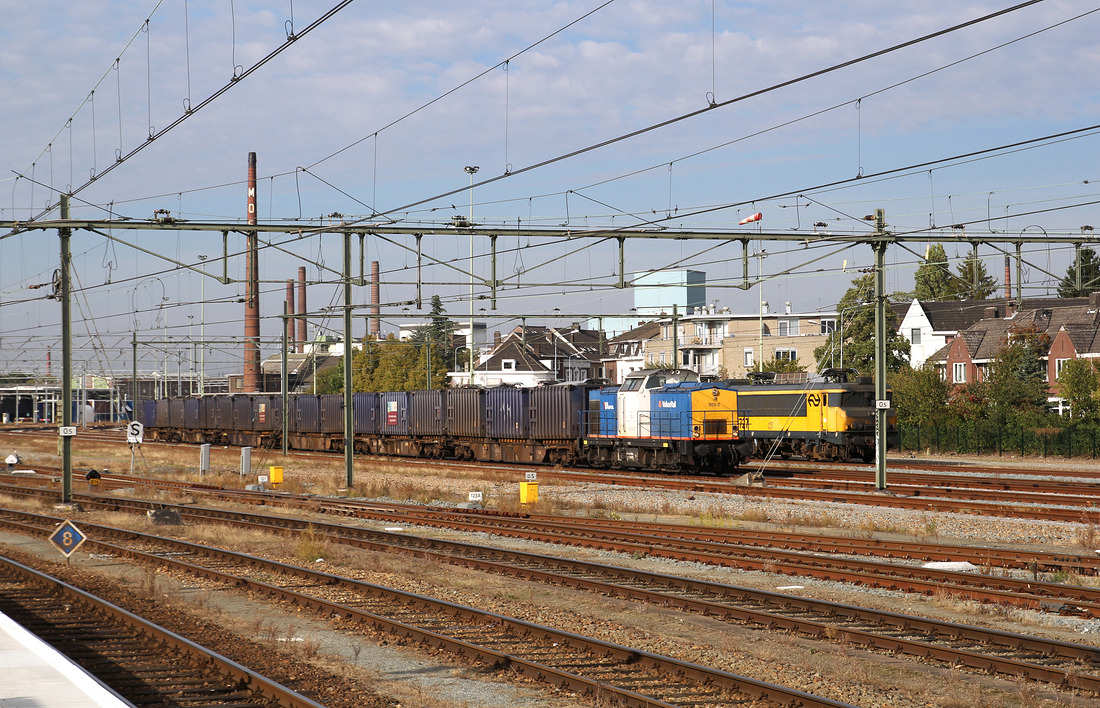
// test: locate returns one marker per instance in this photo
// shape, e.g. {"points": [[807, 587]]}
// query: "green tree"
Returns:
{"points": [[933, 277], [1014, 385], [390, 368], [783, 366], [363, 364], [435, 353], [855, 338], [417, 364], [1090, 276], [1079, 384], [971, 281], [330, 379], [920, 395]]}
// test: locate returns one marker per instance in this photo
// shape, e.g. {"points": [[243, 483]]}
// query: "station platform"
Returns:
{"points": [[34, 675]]}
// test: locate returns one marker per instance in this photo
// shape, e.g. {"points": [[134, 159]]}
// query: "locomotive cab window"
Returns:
{"points": [[655, 381], [854, 399], [631, 384]]}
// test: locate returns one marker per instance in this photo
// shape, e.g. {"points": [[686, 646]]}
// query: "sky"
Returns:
{"points": [[374, 112]]}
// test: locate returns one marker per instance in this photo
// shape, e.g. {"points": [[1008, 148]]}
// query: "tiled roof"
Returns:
{"points": [[957, 315], [512, 349], [645, 330], [1084, 338], [984, 338]]}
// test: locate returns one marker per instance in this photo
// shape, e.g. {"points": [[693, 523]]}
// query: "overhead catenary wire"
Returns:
{"points": [[692, 114]]}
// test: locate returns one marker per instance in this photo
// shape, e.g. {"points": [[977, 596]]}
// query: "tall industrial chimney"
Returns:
{"points": [[289, 323], [251, 382], [375, 301], [302, 334]]}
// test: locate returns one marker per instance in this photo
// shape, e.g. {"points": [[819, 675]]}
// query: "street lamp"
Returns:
{"points": [[191, 361], [761, 305], [202, 328], [160, 305], [457, 350], [471, 170], [569, 369]]}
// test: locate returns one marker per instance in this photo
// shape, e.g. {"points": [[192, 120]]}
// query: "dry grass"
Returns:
{"points": [[312, 546]]}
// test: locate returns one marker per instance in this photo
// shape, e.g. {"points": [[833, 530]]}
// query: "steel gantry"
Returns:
{"points": [[879, 239]]}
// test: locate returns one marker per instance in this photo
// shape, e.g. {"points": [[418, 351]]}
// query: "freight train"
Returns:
{"points": [[659, 419]]}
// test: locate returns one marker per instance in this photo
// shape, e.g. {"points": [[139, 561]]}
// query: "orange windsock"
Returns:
{"points": [[749, 219]]}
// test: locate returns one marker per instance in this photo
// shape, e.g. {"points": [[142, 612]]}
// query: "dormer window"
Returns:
{"points": [[507, 364]]}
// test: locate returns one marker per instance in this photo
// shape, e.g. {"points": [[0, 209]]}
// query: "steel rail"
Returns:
{"points": [[1032, 560], [602, 578], [240, 675], [686, 544], [625, 656]]}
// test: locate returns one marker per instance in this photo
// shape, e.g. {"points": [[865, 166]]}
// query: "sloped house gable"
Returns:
{"points": [[960, 367]]}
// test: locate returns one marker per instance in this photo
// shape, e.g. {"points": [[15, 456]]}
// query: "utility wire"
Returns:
{"points": [[191, 110], [721, 104]]}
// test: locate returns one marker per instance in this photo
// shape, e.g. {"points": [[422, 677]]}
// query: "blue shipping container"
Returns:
{"points": [[427, 412], [508, 412], [394, 411], [305, 413], [366, 413]]}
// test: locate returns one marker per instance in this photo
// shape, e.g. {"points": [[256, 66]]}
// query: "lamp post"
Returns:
{"points": [[164, 359], [761, 305], [457, 350], [569, 369], [202, 328], [160, 306], [471, 170], [191, 361]]}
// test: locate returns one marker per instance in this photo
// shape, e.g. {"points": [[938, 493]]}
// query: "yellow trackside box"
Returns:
{"points": [[528, 492], [276, 477]]}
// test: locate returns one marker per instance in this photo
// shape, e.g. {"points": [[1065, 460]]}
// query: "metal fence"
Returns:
{"points": [[991, 439]]}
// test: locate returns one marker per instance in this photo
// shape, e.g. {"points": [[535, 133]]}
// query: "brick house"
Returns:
{"points": [[1070, 323]]}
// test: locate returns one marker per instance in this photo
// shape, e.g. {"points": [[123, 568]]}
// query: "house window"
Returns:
{"points": [[749, 362], [1058, 364], [788, 328], [958, 372], [786, 355], [914, 335], [828, 326], [508, 365]]}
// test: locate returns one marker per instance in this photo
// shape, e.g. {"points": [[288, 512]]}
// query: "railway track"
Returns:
{"points": [[143, 663], [1064, 664], [585, 665], [822, 557], [1077, 504]]}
